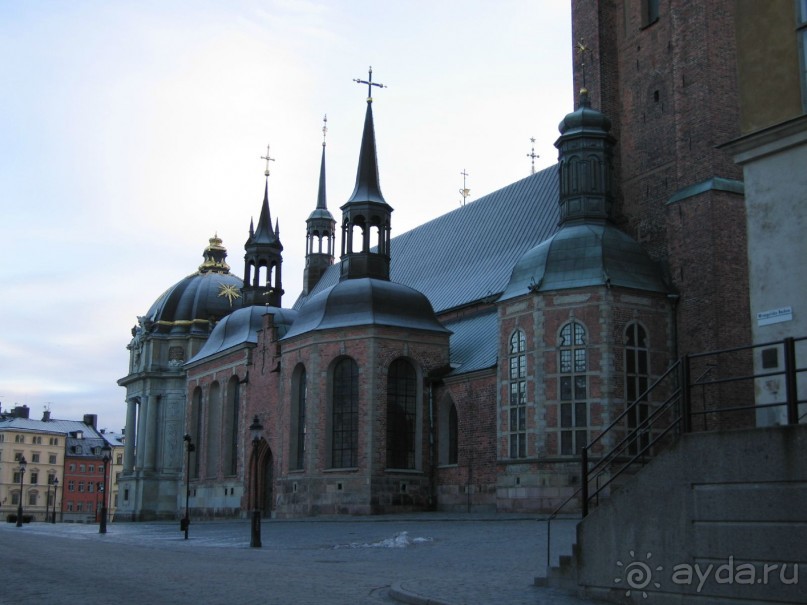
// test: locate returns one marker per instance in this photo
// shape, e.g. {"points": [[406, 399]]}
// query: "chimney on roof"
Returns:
{"points": [[91, 420], [21, 411], [46, 416]]}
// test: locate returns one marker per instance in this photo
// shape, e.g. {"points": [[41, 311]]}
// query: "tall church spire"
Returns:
{"points": [[320, 231], [366, 210], [263, 258]]}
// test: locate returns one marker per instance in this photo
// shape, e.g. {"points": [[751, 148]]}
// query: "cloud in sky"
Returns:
{"points": [[133, 132]]}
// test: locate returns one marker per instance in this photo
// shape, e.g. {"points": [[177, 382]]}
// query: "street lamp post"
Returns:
{"points": [[255, 539], [55, 491], [189, 447], [47, 502], [107, 458], [23, 464]]}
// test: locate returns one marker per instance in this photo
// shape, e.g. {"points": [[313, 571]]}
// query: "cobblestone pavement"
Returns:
{"points": [[432, 558]]}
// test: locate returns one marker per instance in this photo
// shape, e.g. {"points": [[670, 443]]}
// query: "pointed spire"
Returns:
{"points": [[322, 202], [264, 234], [368, 188]]}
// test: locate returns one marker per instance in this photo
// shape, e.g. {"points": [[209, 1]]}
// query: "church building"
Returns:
{"points": [[428, 371], [462, 365]]}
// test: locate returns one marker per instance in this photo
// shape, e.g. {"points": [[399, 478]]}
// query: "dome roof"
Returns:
{"points": [[366, 301], [585, 254], [242, 327], [195, 303], [584, 118]]}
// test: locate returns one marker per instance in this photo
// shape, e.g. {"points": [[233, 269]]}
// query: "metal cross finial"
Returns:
{"points": [[268, 159], [582, 49], [324, 128], [464, 192], [533, 155], [370, 84]]}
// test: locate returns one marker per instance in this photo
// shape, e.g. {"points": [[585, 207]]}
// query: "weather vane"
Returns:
{"points": [[533, 155], [324, 129], [582, 49], [370, 84], [464, 192], [268, 159]]}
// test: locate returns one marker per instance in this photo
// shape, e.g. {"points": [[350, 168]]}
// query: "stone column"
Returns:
{"points": [[131, 435], [142, 437], [151, 441]]}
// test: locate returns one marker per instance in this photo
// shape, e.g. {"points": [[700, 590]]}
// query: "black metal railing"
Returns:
{"points": [[675, 401], [726, 388]]}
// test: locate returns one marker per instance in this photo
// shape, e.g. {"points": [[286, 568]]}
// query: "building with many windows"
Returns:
{"points": [[464, 364], [42, 443]]}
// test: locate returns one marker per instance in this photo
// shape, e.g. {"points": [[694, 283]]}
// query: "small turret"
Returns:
{"points": [[320, 231]]}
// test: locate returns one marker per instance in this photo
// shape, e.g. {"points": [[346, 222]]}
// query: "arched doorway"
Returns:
{"points": [[262, 469]]}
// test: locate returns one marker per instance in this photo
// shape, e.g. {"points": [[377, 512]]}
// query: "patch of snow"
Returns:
{"points": [[399, 540]]}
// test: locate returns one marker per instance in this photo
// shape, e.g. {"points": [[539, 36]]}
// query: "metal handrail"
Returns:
{"points": [[683, 420]]}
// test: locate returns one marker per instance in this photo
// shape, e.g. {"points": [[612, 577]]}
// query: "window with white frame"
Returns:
{"points": [[517, 416], [573, 389], [637, 375]]}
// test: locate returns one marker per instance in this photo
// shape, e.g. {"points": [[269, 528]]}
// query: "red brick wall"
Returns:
{"points": [[670, 90]]}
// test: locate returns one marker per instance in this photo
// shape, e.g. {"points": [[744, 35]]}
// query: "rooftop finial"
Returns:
{"points": [[268, 159], [464, 192], [370, 84], [324, 128], [532, 155], [582, 49]]}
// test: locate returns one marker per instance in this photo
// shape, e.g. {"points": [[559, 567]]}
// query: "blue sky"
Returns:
{"points": [[133, 132]]}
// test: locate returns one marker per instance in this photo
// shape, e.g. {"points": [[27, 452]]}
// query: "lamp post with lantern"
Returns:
{"points": [[107, 450], [255, 429], [23, 464], [189, 448], [55, 491]]}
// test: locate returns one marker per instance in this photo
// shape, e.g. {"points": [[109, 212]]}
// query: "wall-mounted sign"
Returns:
{"points": [[774, 316]]}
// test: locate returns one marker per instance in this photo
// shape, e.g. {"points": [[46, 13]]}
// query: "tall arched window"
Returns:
{"points": [[453, 433], [448, 425], [401, 415], [298, 401], [345, 415], [213, 430], [518, 395], [636, 382], [230, 432], [195, 431], [573, 388]]}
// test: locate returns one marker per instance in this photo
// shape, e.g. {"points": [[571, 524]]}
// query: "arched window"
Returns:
{"points": [[345, 415], [573, 388], [213, 430], [448, 426], [453, 432], [636, 382], [401, 415], [298, 401], [195, 429], [517, 429], [230, 431]]}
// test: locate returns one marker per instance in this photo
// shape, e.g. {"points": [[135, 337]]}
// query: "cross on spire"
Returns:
{"points": [[268, 159], [370, 84], [532, 154], [464, 192], [582, 49], [324, 128]]}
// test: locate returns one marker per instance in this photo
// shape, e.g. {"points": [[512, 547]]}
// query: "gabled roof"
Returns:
{"points": [[48, 426], [468, 254]]}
